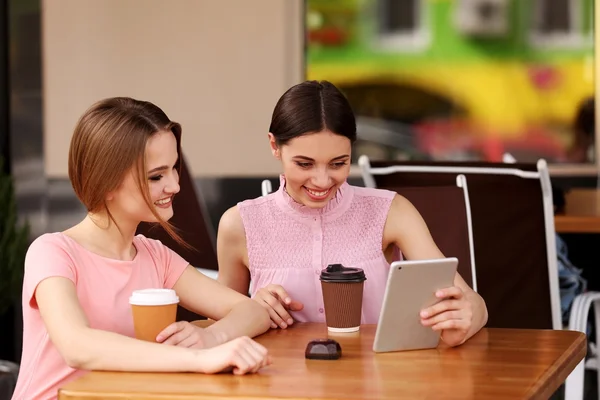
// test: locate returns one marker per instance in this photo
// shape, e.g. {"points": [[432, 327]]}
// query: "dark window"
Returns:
{"points": [[398, 16], [553, 16]]}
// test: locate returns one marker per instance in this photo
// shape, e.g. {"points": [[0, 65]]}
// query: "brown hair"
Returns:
{"points": [[311, 107], [109, 139]]}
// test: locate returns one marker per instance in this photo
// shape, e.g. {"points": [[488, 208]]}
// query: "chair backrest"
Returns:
{"points": [[193, 225], [449, 222], [513, 229], [266, 187]]}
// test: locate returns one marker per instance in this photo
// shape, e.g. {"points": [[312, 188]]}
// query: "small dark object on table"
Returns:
{"points": [[323, 349]]}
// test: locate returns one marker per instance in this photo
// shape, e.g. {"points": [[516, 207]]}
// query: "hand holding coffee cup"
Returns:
{"points": [[153, 310], [342, 296]]}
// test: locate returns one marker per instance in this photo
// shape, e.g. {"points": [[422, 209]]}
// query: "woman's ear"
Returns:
{"points": [[274, 148]]}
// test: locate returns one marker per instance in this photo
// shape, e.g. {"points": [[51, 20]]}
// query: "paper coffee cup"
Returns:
{"points": [[153, 310], [342, 296]]}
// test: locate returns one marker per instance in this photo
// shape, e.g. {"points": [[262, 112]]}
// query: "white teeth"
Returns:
{"points": [[163, 201], [317, 194]]}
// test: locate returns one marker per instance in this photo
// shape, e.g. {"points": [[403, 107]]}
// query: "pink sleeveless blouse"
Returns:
{"points": [[289, 244]]}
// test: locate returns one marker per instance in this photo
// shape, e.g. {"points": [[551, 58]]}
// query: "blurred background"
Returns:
{"points": [[428, 80], [459, 79]]}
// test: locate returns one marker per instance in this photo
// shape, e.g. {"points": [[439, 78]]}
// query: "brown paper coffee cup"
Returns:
{"points": [[153, 310], [342, 296]]}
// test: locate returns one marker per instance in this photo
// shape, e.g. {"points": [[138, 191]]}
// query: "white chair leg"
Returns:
{"points": [[575, 311], [580, 309], [596, 327], [574, 383]]}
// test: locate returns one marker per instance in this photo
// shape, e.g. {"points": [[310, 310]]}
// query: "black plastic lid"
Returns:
{"points": [[339, 273]]}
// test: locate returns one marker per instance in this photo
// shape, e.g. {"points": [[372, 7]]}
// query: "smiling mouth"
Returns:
{"points": [[164, 202], [317, 194]]}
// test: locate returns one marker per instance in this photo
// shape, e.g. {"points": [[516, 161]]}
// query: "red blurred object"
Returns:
{"points": [[544, 77], [441, 138], [329, 36]]}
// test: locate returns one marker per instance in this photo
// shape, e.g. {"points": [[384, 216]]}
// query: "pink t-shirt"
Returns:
{"points": [[103, 287]]}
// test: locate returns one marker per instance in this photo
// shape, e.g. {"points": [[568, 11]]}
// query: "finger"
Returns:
{"points": [[273, 325], [281, 293], [436, 319], [253, 352], [440, 307], [191, 341], [275, 318], [262, 352], [256, 356], [185, 330], [276, 305], [265, 298], [259, 347], [295, 305], [451, 324], [258, 359], [243, 362], [451, 292], [170, 330], [265, 359], [179, 337]]}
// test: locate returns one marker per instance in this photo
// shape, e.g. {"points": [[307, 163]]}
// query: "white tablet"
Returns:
{"points": [[411, 287]]}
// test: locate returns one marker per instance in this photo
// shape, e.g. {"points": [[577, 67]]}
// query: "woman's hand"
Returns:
{"points": [[453, 315], [184, 334], [277, 302], [242, 355]]}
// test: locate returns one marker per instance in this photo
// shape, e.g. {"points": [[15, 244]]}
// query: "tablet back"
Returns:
{"points": [[411, 287]]}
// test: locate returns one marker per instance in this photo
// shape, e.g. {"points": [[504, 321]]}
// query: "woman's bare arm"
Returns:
{"points": [[232, 253], [236, 315], [83, 347]]}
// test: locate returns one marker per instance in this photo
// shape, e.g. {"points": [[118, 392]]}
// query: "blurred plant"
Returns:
{"points": [[14, 241]]}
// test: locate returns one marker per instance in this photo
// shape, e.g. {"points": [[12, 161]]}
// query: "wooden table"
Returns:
{"points": [[582, 212], [495, 363]]}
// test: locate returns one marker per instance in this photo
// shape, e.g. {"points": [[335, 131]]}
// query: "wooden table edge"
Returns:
{"points": [[552, 378], [576, 224], [567, 361], [65, 395]]}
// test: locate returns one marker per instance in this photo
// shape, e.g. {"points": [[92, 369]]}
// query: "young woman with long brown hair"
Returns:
{"points": [[123, 165]]}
